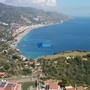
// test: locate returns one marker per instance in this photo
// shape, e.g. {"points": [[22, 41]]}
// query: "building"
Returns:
{"points": [[50, 85], [54, 85], [23, 57], [2, 74], [10, 86], [70, 88], [40, 74]]}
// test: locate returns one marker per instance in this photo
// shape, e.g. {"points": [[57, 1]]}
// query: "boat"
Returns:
{"points": [[44, 45]]}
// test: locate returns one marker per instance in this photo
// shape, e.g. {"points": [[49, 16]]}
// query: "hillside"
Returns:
{"points": [[27, 15], [71, 66], [66, 54]]}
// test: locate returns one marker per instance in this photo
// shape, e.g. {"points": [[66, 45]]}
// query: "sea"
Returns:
{"points": [[70, 35]]}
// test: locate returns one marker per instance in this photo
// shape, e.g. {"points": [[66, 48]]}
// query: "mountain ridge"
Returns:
{"points": [[28, 15]]}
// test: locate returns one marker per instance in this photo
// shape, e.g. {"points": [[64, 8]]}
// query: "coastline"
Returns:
{"points": [[21, 32], [24, 30]]}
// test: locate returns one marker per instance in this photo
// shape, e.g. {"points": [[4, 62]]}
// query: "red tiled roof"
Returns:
{"points": [[39, 73], [1, 89], [70, 89], [47, 81], [53, 85], [2, 73]]}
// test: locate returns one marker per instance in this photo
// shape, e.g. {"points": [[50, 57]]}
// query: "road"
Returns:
{"points": [[20, 79]]}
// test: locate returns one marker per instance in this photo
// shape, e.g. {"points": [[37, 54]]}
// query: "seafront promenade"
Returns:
{"points": [[21, 32]]}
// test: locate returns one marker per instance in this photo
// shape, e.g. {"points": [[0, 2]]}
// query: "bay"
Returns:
{"points": [[70, 35]]}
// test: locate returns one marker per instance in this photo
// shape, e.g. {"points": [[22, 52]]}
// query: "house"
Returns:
{"points": [[50, 85], [10, 86], [70, 57], [39, 74], [23, 57], [37, 64], [53, 86], [2, 74], [70, 88], [80, 88]]}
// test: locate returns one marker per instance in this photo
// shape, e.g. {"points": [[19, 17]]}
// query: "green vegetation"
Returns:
{"points": [[4, 33], [27, 85], [14, 68], [11, 62], [27, 15], [70, 69], [68, 53], [88, 88]]}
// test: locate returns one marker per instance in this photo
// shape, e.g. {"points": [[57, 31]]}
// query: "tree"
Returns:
{"points": [[26, 71]]}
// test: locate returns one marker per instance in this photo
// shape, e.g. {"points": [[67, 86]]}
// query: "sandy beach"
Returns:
{"points": [[21, 32]]}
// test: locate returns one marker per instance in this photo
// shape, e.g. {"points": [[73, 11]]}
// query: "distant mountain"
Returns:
{"points": [[27, 15]]}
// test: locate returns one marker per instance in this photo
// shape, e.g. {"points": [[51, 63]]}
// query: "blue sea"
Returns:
{"points": [[70, 35]]}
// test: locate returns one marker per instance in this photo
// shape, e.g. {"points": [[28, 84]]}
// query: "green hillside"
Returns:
{"points": [[72, 66]]}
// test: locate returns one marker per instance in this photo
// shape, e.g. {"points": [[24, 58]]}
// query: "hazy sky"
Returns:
{"points": [[70, 7]]}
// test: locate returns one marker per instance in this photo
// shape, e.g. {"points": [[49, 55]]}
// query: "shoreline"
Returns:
{"points": [[19, 33], [23, 31]]}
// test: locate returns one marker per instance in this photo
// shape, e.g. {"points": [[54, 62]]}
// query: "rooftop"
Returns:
{"points": [[2, 73], [10, 86], [52, 84]]}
